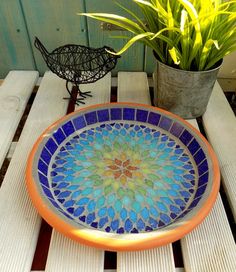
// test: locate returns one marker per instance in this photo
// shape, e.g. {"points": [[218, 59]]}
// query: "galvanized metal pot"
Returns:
{"points": [[185, 93]]}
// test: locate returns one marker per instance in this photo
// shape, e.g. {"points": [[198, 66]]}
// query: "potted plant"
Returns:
{"points": [[189, 39]]}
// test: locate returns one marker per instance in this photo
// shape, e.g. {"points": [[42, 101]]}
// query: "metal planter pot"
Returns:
{"points": [[185, 93]]}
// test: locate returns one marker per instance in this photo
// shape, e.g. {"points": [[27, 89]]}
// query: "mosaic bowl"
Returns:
{"points": [[122, 176]]}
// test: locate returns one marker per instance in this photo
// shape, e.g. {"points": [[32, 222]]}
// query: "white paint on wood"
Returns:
{"points": [[19, 220], [220, 126], [65, 254], [153, 260], [133, 87], [14, 94], [210, 247], [68, 255]]}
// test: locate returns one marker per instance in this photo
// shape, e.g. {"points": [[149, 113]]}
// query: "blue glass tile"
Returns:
{"points": [[115, 224], [103, 115], [194, 203], [64, 194], [173, 215], [140, 224], [111, 212], [43, 167], [47, 192], [46, 156], [165, 123], [186, 137], [134, 230], [43, 180], [69, 203], [91, 117], [199, 156], [94, 225], [51, 146], [202, 168], [68, 128], [165, 218], [107, 229], [154, 118], [176, 129], [128, 114], [120, 230], [200, 191], [116, 114], [141, 115], [90, 218], [102, 222], [79, 122], [59, 136], [78, 211], [179, 202], [128, 225], [153, 223], [193, 146], [203, 179], [70, 210], [82, 218], [148, 228]]}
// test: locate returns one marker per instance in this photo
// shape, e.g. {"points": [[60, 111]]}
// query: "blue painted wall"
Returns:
{"points": [[57, 23]]}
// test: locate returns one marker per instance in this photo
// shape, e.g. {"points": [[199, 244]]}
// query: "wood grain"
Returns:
{"points": [[19, 220]]}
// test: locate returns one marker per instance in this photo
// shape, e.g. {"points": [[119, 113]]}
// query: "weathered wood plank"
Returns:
{"points": [[65, 254], [19, 220], [220, 126], [133, 87], [14, 94], [210, 247], [132, 59], [15, 50]]}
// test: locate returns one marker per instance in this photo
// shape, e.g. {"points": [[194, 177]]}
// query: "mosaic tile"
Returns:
{"points": [[122, 170]]}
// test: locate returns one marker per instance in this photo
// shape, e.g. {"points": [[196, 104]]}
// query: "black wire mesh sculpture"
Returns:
{"points": [[78, 64]]}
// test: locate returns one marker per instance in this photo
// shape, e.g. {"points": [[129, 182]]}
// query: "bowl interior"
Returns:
{"points": [[123, 169]]}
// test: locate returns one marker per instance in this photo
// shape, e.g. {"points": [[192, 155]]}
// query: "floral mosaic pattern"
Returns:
{"points": [[123, 178]]}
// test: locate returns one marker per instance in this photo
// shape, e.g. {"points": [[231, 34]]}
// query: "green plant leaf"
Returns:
{"points": [[117, 20], [174, 55], [195, 21], [205, 52], [131, 42]]}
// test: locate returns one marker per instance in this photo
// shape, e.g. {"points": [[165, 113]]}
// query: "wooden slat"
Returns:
{"points": [[220, 126], [14, 94], [210, 247], [64, 254], [19, 220], [11, 150], [133, 87]]}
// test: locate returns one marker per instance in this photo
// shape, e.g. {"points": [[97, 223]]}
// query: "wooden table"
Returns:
{"points": [[210, 247]]}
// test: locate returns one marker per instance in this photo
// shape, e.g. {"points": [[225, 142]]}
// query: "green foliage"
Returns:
{"points": [[189, 34]]}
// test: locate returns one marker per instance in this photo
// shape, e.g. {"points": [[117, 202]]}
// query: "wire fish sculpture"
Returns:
{"points": [[78, 64]]}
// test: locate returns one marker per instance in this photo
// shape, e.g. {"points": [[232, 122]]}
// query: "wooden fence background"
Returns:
{"points": [[56, 23]]}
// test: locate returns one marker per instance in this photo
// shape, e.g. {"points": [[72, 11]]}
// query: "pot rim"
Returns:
{"points": [[219, 64]]}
